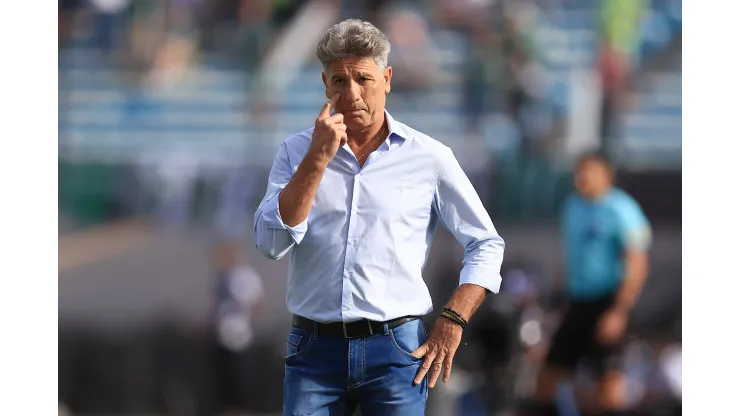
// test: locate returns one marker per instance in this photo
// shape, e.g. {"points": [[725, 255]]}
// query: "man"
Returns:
{"points": [[357, 198], [238, 297], [606, 238]]}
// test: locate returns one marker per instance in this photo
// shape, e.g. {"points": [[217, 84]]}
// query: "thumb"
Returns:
{"points": [[421, 351]]}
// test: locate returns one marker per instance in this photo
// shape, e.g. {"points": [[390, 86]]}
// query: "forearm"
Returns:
{"points": [[281, 219], [297, 197], [479, 277], [466, 300]]}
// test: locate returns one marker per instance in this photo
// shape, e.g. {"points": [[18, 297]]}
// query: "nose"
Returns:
{"points": [[352, 92]]}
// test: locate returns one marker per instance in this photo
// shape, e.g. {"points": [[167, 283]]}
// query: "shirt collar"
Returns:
{"points": [[396, 128]]}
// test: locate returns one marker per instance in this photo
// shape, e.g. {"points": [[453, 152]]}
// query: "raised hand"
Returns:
{"points": [[329, 133]]}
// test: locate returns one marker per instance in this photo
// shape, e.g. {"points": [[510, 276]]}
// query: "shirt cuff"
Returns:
{"points": [[271, 217], [483, 277]]}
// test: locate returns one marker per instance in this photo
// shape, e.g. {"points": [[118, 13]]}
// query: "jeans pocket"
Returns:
{"points": [[298, 343], [408, 337]]}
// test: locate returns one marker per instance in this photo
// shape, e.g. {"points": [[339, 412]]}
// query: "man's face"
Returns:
{"points": [[362, 86], [592, 178]]}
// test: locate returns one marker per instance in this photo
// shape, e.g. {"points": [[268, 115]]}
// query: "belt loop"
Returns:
{"points": [[315, 329], [385, 328]]}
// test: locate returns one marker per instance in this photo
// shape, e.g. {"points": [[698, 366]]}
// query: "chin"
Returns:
{"points": [[355, 123]]}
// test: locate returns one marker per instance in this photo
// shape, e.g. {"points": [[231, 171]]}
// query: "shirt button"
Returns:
{"points": [[352, 241], [345, 308]]}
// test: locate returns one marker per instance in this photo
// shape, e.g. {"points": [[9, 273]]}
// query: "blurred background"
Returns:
{"points": [[170, 115]]}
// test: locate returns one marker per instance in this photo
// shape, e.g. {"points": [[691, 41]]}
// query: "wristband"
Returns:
{"points": [[454, 317]]}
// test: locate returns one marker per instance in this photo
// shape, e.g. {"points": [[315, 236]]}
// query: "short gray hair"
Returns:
{"points": [[353, 37]]}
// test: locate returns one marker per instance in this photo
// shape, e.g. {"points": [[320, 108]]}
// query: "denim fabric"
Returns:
{"points": [[330, 375]]}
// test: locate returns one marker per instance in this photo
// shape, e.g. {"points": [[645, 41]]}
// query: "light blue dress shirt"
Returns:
{"points": [[361, 251]]}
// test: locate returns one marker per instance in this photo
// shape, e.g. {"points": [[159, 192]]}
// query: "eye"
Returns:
{"points": [[338, 81]]}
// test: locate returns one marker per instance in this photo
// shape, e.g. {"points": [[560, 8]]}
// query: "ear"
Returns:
{"points": [[326, 84], [387, 75]]}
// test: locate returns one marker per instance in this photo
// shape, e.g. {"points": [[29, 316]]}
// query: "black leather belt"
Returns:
{"points": [[355, 329]]}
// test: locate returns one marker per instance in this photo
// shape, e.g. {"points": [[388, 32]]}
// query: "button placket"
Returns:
{"points": [[351, 249]]}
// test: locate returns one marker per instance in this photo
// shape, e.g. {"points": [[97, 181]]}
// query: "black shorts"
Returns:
{"points": [[575, 339]]}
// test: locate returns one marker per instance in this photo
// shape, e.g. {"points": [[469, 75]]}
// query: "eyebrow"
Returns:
{"points": [[344, 75]]}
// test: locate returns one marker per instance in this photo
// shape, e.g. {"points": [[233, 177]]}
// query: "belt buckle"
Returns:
{"points": [[347, 335]]}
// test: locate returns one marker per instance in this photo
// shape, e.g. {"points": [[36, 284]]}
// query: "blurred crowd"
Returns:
{"points": [[148, 35], [513, 110], [503, 80]]}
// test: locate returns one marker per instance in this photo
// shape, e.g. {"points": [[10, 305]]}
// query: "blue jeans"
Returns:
{"points": [[330, 375]]}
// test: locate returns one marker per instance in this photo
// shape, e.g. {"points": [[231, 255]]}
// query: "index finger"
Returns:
{"points": [[326, 110]]}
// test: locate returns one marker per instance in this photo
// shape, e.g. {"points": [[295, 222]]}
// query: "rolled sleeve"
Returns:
{"points": [[273, 220], [483, 265], [463, 214], [273, 237]]}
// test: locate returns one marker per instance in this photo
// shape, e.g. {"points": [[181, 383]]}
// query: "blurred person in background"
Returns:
{"points": [[357, 199], [520, 76], [255, 31], [238, 296], [620, 31], [156, 40], [606, 238], [483, 66]]}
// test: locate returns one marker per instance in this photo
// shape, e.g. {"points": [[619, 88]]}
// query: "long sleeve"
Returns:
{"points": [[463, 214], [273, 237]]}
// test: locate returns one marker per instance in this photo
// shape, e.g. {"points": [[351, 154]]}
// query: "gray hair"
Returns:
{"points": [[353, 37]]}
